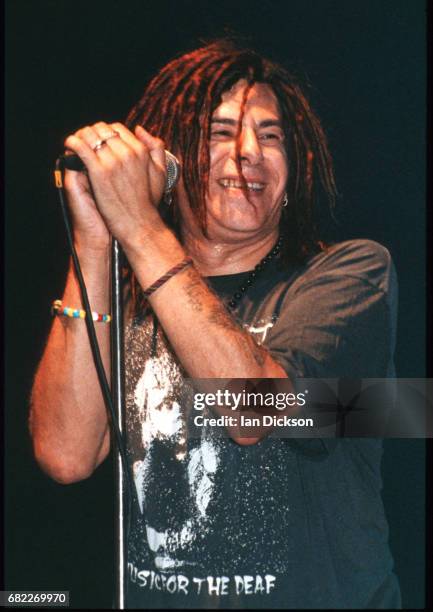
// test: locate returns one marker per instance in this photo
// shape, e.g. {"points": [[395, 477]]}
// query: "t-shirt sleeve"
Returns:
{"points": [[337, 319]]}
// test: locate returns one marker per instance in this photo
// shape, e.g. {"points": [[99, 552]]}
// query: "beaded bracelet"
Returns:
{"points": [[163, 279], [75, 313]]}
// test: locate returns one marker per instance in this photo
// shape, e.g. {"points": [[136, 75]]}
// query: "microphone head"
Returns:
{"points": [[173, 170]]}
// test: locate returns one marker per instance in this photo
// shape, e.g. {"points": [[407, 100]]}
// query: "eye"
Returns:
{"points": [[271, 136], [222, 133]]}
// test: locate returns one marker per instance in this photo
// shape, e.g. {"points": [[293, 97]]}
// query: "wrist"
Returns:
{"points": [[152, 244], [153, 254], [95, 267], [91, 255], [93, 244]]}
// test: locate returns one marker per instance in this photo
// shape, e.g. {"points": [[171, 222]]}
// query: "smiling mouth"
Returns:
{"points": [[234, 184]]}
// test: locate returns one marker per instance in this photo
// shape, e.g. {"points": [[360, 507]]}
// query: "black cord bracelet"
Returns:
{"points": [[163, 279]]}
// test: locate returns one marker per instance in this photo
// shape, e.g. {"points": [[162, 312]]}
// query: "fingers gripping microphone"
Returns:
{"points": [[73, 162]]}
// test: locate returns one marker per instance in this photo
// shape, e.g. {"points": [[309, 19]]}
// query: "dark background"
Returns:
{"points": [[72, 63]]}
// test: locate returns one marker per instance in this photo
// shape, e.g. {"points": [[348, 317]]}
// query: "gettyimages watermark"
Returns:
{"points": [[310, 407]]}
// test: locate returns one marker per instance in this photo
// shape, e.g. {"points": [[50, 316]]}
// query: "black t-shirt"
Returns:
{"points": [[282, 523]]}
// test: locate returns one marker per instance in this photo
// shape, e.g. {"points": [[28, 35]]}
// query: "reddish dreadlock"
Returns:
{"points": [[177, 106]]}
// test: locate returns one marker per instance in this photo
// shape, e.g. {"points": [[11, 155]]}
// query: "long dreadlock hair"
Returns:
{"points": [[177, 106]]}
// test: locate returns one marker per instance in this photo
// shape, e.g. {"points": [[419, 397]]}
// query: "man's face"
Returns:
{"points": [[230, 214]]}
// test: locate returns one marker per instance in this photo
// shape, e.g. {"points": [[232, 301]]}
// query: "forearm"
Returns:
{"points": [[206, 338], [68, 420]]}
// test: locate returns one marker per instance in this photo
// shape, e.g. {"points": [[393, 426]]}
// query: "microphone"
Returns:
{"points": [[71, 161]]}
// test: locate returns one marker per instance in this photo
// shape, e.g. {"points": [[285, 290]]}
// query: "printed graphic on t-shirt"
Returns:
{"points": [[260, 329], [189, 537], [164, 442]]}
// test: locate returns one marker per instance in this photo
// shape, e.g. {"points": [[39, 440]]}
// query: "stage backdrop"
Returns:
{"points": [[73, 63]]}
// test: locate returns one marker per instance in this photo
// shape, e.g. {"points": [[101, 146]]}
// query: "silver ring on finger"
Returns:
{"points": [[100, 143], [113, 134]]}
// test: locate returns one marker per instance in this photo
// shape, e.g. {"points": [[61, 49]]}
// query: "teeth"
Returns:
{"points": [[238, 185]]}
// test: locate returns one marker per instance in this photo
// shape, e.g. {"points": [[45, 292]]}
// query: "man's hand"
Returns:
{"points": [[127, 175], [90, 231]]}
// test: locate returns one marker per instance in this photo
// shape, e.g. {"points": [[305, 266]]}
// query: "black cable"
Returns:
{"points": [[105, 388]]}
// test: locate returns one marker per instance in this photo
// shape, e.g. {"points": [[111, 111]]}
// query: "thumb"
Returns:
{"points": [[154, 145], [77, 183]]}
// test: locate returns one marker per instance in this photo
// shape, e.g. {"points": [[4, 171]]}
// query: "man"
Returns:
{"points": [[241, 521]]}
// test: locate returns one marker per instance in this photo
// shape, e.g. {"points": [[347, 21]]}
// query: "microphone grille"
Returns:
{"points": [[173, 170]]}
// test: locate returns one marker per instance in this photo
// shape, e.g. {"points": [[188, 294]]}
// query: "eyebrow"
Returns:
{"points": [[262, 124]]}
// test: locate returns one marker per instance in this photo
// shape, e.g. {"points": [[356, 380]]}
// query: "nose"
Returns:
{"points": [[250, 149]]}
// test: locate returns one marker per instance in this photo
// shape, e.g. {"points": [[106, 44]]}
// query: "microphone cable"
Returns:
{"points": [[105, 388]]}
